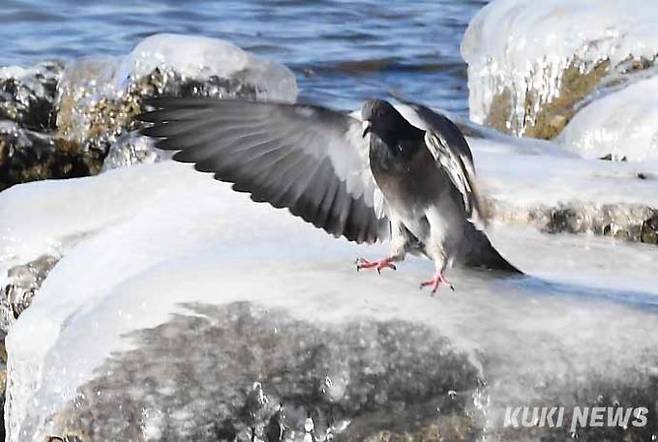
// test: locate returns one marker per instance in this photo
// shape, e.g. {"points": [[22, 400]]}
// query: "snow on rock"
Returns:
{"points": [[61, 120], [27, 117], [551, 55], [22, 283], [98, 97], [181, 310], [28, 155], [132, 148], [557, 193], [27, 94], [202, 58], [623, 124]]}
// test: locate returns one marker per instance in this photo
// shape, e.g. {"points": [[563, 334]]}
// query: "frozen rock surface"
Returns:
{"points": [[98, 97], [182, 310], [27, 155], [66, 119], [623, 124], [132, 148], [27, 95], [538, 183], [202, 59], [28, 149], [23, 281], [553, 54]]}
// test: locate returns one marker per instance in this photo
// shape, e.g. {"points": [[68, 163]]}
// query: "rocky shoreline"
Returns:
{"points": [[62, 120], [128, 257], [59, 126], [534, 79]]}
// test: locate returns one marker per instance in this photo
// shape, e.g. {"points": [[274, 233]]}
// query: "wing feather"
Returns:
{"points": [[452, 153], [307, 158]]}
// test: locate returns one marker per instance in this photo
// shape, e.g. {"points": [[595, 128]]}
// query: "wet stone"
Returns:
{"points": [[3, 391], [27, 95], [611, 157], [26, 155], [242, 372], [132, 148], [628, 222], [649, 230], [116, 135], [239, 372], [23, 282], [97, 116], [62, 120], [545, 117]]}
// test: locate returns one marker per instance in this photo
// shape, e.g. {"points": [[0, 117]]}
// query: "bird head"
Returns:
{"points": [[380, 118]]}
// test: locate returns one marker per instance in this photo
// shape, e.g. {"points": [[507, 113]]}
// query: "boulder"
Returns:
{"points": [[63, 120], [181, 309], [553, 58]]}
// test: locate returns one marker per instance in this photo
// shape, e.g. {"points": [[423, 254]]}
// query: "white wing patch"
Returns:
{"points": [[359, 180], [409, 114], [381, 207], [461, 172]]}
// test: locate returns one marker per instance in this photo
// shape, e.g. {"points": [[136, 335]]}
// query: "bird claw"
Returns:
{"points": [[386, 263], [435, 282]]}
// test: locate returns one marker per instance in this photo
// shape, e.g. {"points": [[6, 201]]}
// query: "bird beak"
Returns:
{"points": [[366, 128]]}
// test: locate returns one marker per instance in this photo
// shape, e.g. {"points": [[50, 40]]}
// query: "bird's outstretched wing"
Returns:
{"points": [[451, 152], [309, 159]]}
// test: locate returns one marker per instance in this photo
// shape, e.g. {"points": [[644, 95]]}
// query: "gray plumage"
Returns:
{"points": [[302, 157], [414, 186]]}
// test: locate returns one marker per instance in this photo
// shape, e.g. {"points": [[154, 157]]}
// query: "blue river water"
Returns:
{"points": [[341, 51]]}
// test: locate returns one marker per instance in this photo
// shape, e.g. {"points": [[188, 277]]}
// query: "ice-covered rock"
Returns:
{"points": [[528, 78], [23, 281], [61, 120], [623, 124], [540, 184], [87, 115], [202, 59], [27, 95], [27, 155], [182, 310], [27, 118], [132, 148], [98, 97]]}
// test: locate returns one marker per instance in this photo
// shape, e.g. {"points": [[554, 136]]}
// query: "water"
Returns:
{"points": [[341, 51]]}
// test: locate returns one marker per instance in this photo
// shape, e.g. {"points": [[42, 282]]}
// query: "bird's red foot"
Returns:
{"points": [[386, 263], [435, 282]]}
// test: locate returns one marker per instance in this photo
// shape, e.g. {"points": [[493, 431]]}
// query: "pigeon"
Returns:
{"points": [[371, 179]]}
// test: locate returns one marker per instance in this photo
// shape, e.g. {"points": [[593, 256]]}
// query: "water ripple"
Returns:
{"points": [[351, 49]]}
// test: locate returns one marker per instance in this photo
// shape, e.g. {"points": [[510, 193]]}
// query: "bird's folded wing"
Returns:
{"points": [[451, 151], [307, 158]]}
